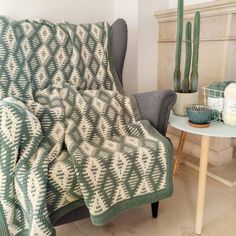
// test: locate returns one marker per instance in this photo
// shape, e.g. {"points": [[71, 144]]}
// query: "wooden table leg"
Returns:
{"points": [[179, 152], [202, 183]]}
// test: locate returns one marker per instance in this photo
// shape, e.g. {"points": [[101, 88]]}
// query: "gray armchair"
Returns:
{"points": [[154, 106]]}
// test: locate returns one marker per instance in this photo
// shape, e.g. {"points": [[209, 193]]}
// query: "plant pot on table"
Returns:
{"points": [[184, 100]]}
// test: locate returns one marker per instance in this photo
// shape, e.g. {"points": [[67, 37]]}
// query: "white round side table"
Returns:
{"points": [[216, 129]]}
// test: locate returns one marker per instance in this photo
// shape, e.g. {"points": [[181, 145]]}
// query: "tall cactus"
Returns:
{"points": [[177, 72], [194, 74], [188, 38]]}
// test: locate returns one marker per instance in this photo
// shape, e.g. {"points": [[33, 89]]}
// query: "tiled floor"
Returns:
{"points": [[225, 173], [176, 214]]}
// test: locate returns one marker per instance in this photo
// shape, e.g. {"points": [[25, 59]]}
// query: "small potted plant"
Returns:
{"points": [[186, 89]]}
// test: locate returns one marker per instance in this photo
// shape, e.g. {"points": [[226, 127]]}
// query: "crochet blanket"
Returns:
{"points": [[68, 134]]}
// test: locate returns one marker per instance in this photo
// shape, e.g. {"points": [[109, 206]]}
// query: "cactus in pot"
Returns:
{"points": [[177, 72], [188, 36], [186, 90], [194, 74], [187, 86]]}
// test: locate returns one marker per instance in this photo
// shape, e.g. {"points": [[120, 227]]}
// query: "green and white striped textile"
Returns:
{"points": [[68, 134]]}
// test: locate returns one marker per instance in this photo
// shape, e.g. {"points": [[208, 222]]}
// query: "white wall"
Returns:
{"points": [[140, 70], [147, 43], [76, 11], [128, 10]]}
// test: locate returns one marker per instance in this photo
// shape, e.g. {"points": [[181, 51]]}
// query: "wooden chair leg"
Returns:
{"points": [[155, 207], [179, 152]]}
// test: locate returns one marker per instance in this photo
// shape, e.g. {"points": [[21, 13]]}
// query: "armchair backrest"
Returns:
{"points": [[119, 45]]}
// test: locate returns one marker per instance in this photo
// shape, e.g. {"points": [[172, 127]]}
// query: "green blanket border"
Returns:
{"points": [[125, 205], [56, 215], [144, 199]]}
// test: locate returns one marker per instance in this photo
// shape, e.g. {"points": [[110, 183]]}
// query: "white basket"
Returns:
{"points": [[214, 99]]}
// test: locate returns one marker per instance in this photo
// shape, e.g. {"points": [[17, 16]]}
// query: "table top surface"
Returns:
{"points": [[216, 129]]}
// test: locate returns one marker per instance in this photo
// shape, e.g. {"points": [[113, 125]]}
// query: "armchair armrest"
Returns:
{"points": [[155, 107]]}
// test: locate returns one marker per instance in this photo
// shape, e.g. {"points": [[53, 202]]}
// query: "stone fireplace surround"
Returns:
{"points": [[217, 62]]}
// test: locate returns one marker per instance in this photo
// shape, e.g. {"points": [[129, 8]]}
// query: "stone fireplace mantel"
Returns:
{"points": [[217, 61], [213, 8]]}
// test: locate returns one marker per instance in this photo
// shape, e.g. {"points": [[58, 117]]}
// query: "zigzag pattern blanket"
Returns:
{"points": [[68, 134]]}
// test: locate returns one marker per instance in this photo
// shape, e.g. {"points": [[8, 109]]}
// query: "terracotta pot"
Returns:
{"points": [[184, 100]]}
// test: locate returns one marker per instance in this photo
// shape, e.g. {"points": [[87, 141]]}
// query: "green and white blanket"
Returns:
{"points": [[68, 134]]}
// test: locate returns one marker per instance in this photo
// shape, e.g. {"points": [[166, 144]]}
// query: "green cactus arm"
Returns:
{"points": [[194, 74], [177, 80], [188, 38], [180, 16], [177, 72], [196, 38]]}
